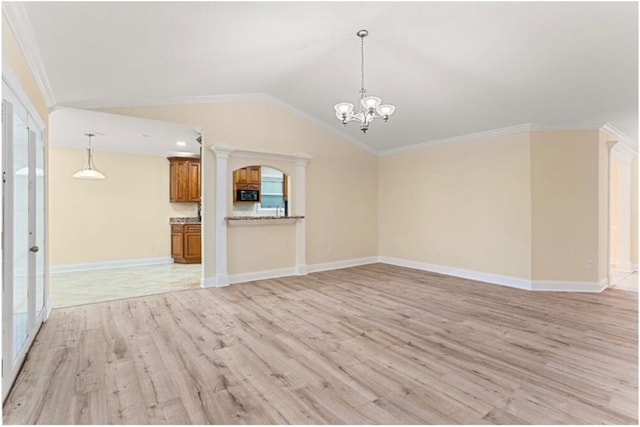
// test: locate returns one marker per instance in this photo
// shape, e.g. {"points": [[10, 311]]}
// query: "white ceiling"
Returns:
{"points": [[121, 134], [451, 68]]}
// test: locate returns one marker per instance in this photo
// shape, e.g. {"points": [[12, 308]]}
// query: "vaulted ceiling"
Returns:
{"points": [[451, 68]]}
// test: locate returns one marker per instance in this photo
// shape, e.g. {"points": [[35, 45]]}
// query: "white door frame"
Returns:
{"points": [[15, 97]]}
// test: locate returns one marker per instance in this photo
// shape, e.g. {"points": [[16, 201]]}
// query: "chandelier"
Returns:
{"points": [[370, 107]]}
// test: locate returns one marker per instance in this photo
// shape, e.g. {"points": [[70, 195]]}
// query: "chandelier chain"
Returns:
{"points": [[362, 66]]}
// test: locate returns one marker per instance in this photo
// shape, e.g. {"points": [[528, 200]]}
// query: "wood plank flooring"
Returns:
{"points": [[368, 345]]}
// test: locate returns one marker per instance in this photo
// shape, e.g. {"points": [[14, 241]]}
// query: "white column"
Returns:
{"points": [[222, 157], [623, 156], [300, 209]]}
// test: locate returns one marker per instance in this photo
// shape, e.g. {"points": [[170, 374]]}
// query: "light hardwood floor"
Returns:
{"points": [[375, 344]]}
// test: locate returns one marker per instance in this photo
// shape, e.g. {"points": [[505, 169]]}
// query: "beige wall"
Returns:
{"points": [[123, 217], [464, 205], [341, 208], [13, 55], [566, 210]]}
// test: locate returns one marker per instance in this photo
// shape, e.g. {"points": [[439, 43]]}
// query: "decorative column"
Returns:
{"points": [[300, 209], [222, 157], [623, 155]]}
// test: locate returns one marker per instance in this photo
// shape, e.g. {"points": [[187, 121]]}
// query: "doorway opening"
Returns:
{"points": [[113, 238]]}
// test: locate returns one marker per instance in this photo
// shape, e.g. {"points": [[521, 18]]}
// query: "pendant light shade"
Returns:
{"points": [[89, 171]]}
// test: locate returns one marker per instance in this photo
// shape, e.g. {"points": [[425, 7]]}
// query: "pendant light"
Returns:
{"points": [[370, 107], [89, 171]]}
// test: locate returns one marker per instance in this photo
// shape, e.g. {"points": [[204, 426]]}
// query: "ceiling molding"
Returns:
{"points": [[207, 99], [526, 127], [153, 101], [622, 137], [321, 124], [25, 37], [566, 126]]}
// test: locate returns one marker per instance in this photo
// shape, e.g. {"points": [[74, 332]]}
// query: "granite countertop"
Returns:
{"points": [[253, 218], [184, 220]]}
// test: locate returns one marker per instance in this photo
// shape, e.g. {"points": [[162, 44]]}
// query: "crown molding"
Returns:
{"points": [[153, 101], [207, 99], [25, 37], [628, 143], [526, 127], [511, 130], [321, 124]]}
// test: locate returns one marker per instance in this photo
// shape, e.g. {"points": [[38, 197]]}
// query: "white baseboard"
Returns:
{"points": [[217, 282], [214, 282], [564, 286], [496, 279], [262, 275], [336, 265], [625, 267], [110, 264]]}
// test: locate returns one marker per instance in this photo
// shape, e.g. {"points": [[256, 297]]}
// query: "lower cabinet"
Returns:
{"points": [[186, 243]]}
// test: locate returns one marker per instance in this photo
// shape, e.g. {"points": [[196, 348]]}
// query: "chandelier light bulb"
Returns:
{"points": [[370, 107]]}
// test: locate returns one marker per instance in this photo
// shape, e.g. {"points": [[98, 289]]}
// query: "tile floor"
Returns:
{"points": [[86, 287], [624, 281]]}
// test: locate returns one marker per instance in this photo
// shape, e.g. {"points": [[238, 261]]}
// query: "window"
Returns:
{"points": [[272, 191]]}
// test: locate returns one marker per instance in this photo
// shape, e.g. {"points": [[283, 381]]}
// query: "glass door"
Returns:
{"points": [[21, 238], [23, 229]]}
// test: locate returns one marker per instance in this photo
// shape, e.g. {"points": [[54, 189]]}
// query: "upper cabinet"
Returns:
{"points": [[184, 179], [248, 178]]}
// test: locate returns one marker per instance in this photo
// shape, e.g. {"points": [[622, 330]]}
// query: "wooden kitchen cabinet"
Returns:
{"points": [[249, 178], [186, 243], [184, 173]]}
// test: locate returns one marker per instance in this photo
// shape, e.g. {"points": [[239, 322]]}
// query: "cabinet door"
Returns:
{"points": [[194, 181], [173, 182], [240, 176], [177, 250], [254, 177], [193, 243]]}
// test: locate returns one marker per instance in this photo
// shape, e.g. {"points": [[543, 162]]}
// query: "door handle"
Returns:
{"points": [[34, 249]]}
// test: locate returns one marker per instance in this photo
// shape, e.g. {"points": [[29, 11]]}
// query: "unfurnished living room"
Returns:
{"points": [[320, 212]]}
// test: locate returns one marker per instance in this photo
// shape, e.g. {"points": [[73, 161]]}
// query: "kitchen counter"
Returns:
{"points": [[257, 218], [184, 220], [262, 220]]}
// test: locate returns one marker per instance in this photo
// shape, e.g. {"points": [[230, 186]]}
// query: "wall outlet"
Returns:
{"points": [[330, 248], [437, 251], [589, 264]]}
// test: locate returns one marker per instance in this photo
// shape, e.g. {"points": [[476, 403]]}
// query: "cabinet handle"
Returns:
{"points": [[34, 249]]}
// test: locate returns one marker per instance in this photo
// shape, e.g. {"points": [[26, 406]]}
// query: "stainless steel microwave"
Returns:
{"points": [[248, 195]]}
